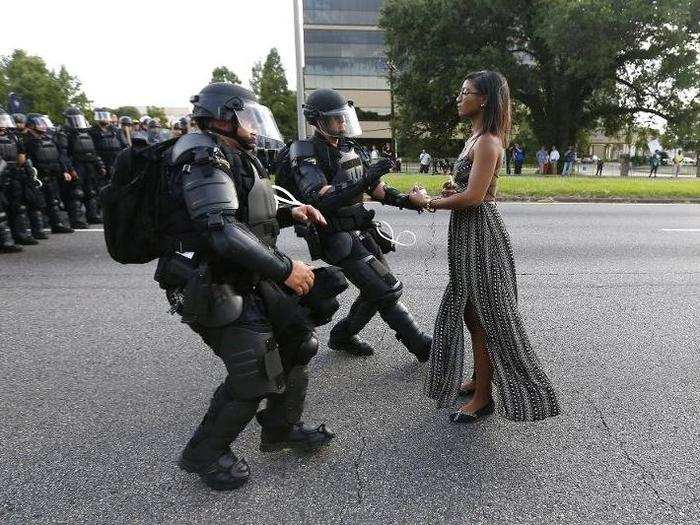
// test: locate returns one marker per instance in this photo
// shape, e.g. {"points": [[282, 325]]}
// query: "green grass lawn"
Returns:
{"points": [[553, 187]]}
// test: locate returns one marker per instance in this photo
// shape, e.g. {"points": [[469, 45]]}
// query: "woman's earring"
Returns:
{"points": [[483, 104]]}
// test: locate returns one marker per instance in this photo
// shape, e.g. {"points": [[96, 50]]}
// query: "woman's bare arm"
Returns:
{"points": [[487, 153]]}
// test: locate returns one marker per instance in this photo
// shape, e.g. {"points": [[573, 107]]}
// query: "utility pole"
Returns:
{"points": [[299, 45]]}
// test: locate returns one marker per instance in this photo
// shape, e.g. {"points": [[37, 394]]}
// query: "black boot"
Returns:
{"points": [[36, 221], [208, 454], [280, 421], [76, 215], [57, 224], [344, 334], [21, 228], [92, 211], [7, 244], [401, 321]]}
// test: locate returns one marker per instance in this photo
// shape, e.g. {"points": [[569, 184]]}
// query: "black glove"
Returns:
{"points": [[374, 173]]}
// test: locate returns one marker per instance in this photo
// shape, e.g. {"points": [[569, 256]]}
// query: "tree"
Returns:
{"points": [[574, 65], [274, 93], [255, 76], [127, 111], [40, 89], [224, 74], [157, 112]]}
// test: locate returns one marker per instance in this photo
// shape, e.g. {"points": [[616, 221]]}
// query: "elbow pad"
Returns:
{"points": [[235, 243]]}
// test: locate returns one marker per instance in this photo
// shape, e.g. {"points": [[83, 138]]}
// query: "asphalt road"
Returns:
{"points": [[101, 388]]}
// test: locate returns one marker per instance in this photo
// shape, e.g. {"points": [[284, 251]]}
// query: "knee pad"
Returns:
{"points": [[253, 363], [77, 194], [374, 279]]}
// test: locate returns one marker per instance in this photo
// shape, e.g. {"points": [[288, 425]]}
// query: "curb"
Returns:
{"points": [[610, 200]]}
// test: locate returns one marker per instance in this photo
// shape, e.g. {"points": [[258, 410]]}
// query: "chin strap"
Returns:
{"points": [[394, 239]]}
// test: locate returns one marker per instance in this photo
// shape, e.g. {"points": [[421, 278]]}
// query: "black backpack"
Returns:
{"points": [[130, 204]]}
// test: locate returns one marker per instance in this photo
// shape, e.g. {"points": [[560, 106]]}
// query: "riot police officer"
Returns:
{"points": [[126, 126], [31, 186], [107, 138], [53, 166], [88, 165], [7, 243], [12, 181], [237, 291], [333, 173]]}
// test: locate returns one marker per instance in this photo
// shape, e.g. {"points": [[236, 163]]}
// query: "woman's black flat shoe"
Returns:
{"points": [[465, 393], [473, 417]]}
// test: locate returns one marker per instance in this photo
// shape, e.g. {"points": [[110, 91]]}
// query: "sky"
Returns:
{"points": [[153, 52]]}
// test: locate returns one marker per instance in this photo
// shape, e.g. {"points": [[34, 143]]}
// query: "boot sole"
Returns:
{"points": [[192, 469], [287, 445]]}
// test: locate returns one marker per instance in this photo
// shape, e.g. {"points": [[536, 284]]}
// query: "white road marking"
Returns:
{"points": [[91, 230], [680, 229]]}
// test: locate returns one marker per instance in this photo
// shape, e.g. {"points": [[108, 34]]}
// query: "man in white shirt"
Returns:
{"points": [[424, 159], [554, 159]]}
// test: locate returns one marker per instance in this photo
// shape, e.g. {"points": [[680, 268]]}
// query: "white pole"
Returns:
{"points": [[299, 45]]}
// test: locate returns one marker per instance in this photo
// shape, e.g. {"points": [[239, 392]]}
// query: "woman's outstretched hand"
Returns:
{"points": [[448, 188], [419, 197]]}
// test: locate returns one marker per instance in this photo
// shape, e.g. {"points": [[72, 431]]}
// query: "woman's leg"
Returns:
{"points": [[483, 371]]}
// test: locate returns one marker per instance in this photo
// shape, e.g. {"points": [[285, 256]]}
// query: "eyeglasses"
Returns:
{"points": [[464, 92]]}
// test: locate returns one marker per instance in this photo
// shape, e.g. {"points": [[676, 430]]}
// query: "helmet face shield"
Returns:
{"points": [[340, 123], [77, 122], [258, 119], [6, 121], [102, 116]]}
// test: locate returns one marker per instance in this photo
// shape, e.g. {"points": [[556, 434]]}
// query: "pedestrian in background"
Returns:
{"points": [[678, 162], [542, 158], [374, 154], [554, 159], [599, 167], [509, 157], [655, 161], [424, 159], [518, 158], [569, 159]]}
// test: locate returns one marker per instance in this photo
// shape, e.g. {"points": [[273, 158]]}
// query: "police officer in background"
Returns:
{"points": [[8, 158], [126, 125], [221, 207], [31, 186], [53, 166], [333, 174], [12, 182], [107, 138], [91, 171]]}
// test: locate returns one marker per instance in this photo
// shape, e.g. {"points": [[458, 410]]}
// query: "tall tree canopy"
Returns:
{"points": [[40, 89], [224, 74], [270, 84], [573, 65]]}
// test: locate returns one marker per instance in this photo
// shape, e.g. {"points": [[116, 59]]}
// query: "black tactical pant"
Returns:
{"points": [[246, 347], [90, 181], [368, 270], [51, 189], [17, 205]]}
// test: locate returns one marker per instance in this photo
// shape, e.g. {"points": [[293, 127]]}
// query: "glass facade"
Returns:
{"points": [[344, 50], [342, 12]]}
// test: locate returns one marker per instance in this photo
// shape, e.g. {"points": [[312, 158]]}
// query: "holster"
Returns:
{"points": [[310, 234], [385, 245], [350, 218]]}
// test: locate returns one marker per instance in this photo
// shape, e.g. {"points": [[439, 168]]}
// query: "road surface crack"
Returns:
{"points": [[358, 458], [645, 474]]}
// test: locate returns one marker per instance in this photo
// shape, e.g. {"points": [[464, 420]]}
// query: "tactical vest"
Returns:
{"points": [[46, 155], [107, 141], [81, 146], [8, 149]]}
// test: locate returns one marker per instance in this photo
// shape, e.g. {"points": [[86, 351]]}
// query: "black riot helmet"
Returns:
{"points": [[75, 119], [125, 121], [37, 122], [235, 104], [6, 121], [20, 119], [330, 113]]}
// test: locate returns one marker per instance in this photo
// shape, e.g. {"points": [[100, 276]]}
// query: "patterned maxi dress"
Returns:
{"points": [[482, 271]]}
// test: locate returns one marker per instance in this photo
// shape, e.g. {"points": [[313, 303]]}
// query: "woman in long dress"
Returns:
{"points": [[482, 291]]}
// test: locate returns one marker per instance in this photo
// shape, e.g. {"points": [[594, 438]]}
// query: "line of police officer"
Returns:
{"points": [[51, 176]]}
